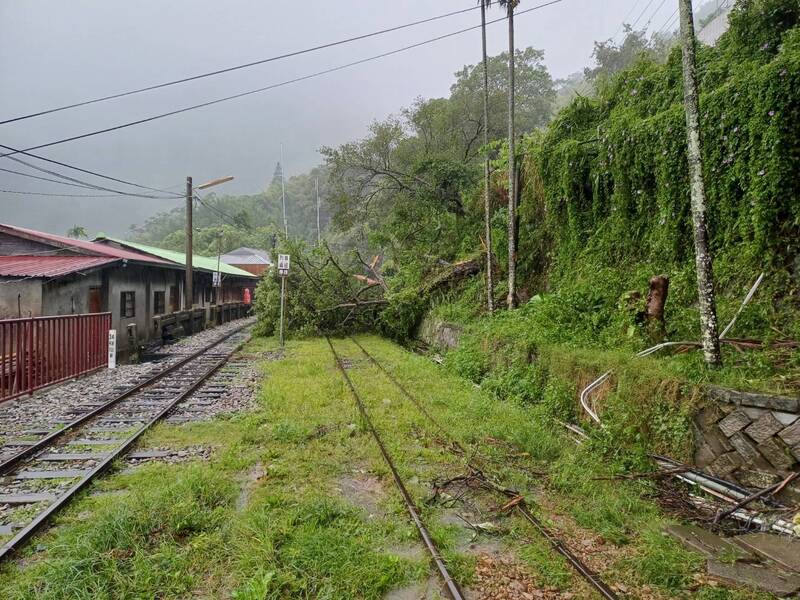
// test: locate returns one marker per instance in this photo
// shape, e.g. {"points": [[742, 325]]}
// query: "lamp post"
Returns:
{"points": [[189, 291]]}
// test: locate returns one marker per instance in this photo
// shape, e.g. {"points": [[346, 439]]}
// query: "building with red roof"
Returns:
{"points": [[43, 274]]}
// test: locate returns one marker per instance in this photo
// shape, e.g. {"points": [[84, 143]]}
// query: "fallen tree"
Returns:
{"points": [[330, 292]]}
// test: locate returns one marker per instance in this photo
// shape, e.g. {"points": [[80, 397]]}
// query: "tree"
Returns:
{"points": [[509, 5], [703, 261], [487, 201], [610, 57], [76, 231]]}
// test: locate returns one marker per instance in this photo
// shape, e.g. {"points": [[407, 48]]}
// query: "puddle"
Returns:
{"points": [[365, 491], [248, 483], [427, 590]]}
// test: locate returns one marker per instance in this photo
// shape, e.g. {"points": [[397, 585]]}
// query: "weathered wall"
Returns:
{"points": [[69, 295], [25, 295], [11, 245], [753, 439]]}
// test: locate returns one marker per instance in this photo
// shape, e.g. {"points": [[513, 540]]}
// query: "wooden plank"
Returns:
{"points": [[66, 473], [26, 498]]}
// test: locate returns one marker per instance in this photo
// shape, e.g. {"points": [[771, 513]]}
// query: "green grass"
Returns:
{"points": [[213, 530]]}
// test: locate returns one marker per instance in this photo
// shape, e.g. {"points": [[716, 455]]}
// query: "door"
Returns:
{"points": [[95, 300], [174, 301]]}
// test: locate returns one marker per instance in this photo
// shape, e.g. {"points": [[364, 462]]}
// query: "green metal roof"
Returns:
{"points": [[198, 262]]}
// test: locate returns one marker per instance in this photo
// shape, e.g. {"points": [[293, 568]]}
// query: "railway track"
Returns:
{"points": [[451, 586], [47, 473], [477, 471]]}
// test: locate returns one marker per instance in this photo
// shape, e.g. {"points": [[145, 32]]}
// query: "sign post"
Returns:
{"points": [[283, 272], [112, 348]]}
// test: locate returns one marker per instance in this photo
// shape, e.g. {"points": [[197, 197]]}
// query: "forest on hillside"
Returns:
{"points": [[604, 201]]}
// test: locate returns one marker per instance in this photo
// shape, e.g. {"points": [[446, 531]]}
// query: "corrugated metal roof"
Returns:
{"points": [[203, 263], [49, 266], [245, 251], [80, 246], [244, 259]]}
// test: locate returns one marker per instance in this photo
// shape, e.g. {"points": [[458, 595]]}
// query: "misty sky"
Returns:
{"points": [[54, 52]]}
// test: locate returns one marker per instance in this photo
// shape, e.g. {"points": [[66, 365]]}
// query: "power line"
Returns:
{"points": [[668, 23], [32, 176], [225, 217], [87, 171], [270, 87], [642, 14], [25, 193], [238, 67], [625, 18], [650, 20]]}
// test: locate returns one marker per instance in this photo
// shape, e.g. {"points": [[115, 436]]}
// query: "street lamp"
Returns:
{"points": [[189, 291]]}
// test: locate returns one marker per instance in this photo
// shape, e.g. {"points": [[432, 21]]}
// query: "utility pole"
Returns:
{"points": [[512, 173], [319, 234], [702, 252], [219, 275], [188, 291], [283, 197], [487, 201]]}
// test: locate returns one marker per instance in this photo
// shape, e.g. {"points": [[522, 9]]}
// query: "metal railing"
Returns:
{"points": [[41, 351]]}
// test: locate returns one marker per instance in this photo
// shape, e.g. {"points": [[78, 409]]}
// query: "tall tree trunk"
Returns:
{"points": [[512, 174], [705, 278], [487, 203]]}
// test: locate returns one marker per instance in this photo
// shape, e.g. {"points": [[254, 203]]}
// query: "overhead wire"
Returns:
{"points": [[639, 18], [241, 66], [87, 171], [225, 217], [654, 13], [32, 176], [668, 23], [26, 193], [270, 87], [625, 18]]}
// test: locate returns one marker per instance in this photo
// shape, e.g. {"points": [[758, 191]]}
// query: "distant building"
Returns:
{"points": [[251, 260], [42, 274]]}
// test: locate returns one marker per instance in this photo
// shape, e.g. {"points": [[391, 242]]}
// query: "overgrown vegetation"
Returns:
{"points": [[296, 501]]}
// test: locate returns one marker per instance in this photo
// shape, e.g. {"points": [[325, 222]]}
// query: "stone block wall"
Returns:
{"points": [[751, 439]]}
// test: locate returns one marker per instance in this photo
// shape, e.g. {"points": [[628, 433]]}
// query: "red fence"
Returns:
{"points": [[38, 352]]}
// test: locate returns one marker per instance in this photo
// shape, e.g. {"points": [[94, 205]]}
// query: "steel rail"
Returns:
{"points": [[40, 444], [41, 519], [583, 570], [452, 587]]}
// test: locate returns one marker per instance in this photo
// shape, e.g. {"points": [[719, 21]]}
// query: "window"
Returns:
{"points": [[207, 295], [159, 303], [127, 304]]}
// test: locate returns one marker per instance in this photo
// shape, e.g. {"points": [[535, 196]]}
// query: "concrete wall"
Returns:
{"points": [[25, 295], [69, 295]]}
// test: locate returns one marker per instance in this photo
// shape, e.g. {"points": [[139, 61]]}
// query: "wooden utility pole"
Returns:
{"points": [[319, 234], [702, 252], [512, 173], [188, 291], [283, 197], [487, 201]]}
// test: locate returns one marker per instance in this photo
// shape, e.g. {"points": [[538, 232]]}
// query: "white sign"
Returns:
{"points": [[283, 265], [217, 279], [112, 348]]}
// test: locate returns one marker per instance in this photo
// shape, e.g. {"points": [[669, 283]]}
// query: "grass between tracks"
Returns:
{"points": [[267, 517]]}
